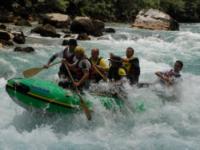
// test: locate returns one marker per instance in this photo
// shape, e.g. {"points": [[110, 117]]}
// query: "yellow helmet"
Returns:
{"points": [[80, 50], [121, 72]]}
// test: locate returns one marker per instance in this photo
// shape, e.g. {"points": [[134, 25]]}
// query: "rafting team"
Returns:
{"points": [[85, 70]]}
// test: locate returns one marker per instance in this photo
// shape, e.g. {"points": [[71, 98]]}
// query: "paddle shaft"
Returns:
{"points": [[33, 71], [82, 103], [54, 63], [99, 72]]}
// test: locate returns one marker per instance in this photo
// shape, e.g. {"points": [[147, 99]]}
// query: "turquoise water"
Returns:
{"points": [[171, 118]]}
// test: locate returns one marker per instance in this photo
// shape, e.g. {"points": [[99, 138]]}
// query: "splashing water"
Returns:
{"points": [[170, 119]]}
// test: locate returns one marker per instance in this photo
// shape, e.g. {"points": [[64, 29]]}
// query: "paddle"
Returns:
{"points": [[99, 72], [33, 71], [82, 103]]}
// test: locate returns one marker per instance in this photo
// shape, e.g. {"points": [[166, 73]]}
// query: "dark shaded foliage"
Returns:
{"points": [[109, 10]]}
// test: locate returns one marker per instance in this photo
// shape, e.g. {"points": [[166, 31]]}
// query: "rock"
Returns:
{"points": [[28, 49], [99, 27], [155, 20], [66, 35], [6, 43], [19, 38], [5, 35], [56, 19], [67, 31], [82, 25], [109, 30], [83, 36], [46, 30], [22, 22], [18, 49], [2, 27], [21, 11], [6, 17], [87, 25], [25, 49], [103, 38]]}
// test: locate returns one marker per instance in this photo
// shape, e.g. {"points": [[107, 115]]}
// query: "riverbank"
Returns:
{"points": [[105, 10]]}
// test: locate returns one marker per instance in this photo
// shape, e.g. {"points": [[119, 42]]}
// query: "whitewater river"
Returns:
{"points": [[171, 116]]}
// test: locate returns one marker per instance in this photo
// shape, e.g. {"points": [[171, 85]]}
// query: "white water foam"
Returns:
{"points": [[170, 120], [7, 69]]}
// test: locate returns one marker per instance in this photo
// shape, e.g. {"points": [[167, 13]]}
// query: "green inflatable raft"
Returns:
{"points": [[38, 94]]}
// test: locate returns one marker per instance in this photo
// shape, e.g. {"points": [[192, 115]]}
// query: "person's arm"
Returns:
{"points": [[167, 80], [159, 74], [85, 66], [83, 79], [126, 60], [53, 57], [72, 66]]}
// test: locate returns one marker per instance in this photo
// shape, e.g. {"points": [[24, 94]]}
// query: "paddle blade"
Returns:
{"points": [[85, 108], [31, 72]]}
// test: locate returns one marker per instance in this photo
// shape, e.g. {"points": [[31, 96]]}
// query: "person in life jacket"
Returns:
{"points": [[81, 68], [67, 54], [116, 71], [117, 75], [171, 76], [132, 66], [98, 65]]}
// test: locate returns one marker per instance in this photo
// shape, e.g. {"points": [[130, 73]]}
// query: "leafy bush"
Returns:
{"points": [[121, 10]]}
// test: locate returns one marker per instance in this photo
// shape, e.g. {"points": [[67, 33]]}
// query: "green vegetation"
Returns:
{"points": [[114, 10]]}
